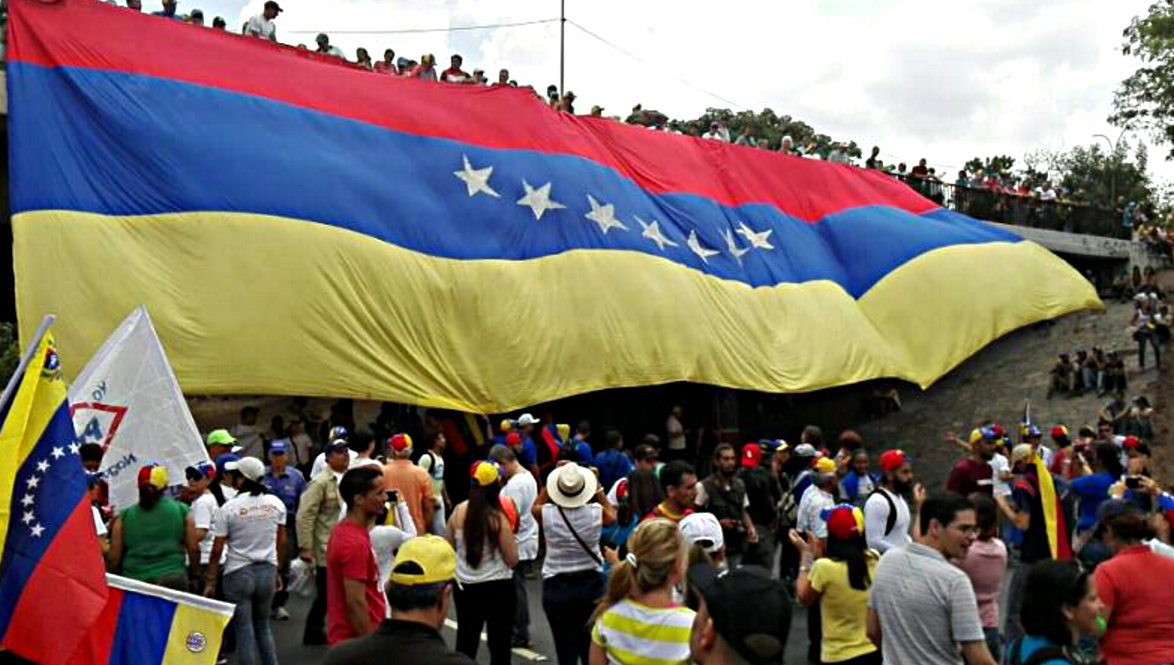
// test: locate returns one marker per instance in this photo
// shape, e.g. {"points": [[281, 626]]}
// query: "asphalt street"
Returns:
{"points": [[288, 635]]}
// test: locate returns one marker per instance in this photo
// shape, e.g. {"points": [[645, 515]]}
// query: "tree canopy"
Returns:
{"points": [[1145, 100]]}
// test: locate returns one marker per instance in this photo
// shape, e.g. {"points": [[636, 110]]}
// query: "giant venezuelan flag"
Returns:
{"points": [[52, 581], [297, 227]]}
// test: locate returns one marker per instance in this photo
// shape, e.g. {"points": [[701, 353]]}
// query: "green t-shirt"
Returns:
{"points": [[153, 540]]}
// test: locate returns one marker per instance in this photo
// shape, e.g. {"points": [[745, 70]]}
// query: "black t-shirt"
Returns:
{"points": [[401, 642], [1026, 496]]}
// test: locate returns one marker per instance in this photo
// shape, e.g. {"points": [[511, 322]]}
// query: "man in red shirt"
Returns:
{"points": [[354, 600], [973, 473], [454, 74]]}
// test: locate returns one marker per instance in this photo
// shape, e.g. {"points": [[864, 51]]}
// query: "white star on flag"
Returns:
{"points": [[603, 215], [32, 482], [538, 200], [74, 448], [736, 251], [760, 240], [42, 466], [652, 232], [38, 530], [28, 517], [58, 452], [476, 180], [700, 250], [27, 500]]}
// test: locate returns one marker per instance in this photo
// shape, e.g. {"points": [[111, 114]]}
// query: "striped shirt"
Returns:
{"points": [[635, 634], [564, 554]]}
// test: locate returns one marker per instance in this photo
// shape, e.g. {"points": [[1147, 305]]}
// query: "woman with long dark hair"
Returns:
{"points": [[1059, 604], [481, 531], [839, 581], [250, 532]]}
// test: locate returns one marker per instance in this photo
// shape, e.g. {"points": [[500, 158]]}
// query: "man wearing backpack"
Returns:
{"points": [[432, 461], [764, 495], [888, 520]]}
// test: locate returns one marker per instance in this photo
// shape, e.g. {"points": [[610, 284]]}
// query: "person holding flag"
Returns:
{"points": [[1037, 511], [52, 581]]}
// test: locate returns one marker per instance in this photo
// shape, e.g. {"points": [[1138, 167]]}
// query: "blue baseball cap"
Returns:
{"points": [[278, 448], [223, 460]]}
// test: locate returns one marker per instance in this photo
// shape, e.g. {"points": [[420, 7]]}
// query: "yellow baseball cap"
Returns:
{"points": [[424, 560], [825, 465]]}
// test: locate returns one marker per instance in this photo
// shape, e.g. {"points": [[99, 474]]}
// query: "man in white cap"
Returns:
{"points": [[528, 451], [705, 531]]}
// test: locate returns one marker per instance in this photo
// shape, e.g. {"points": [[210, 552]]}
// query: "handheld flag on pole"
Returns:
{"points": [[150, 625], [128, 401], [52, 578]]}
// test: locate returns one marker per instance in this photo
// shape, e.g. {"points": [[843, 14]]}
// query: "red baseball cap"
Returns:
{"points": [[513, 439], [891, 460], [1131, 442], [842, 522], [400, 442], [751, 455], [1059, 431]]}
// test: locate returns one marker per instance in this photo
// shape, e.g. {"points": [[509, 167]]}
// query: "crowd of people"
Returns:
{"points": [[644, 558]]}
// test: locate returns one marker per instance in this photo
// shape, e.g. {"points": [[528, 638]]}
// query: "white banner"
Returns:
{"points": [[128, 401]]}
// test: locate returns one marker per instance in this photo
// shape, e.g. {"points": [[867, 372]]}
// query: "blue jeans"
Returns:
{"points": [[251, 589]]}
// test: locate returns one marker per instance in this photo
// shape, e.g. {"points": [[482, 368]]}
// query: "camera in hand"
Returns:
{"points": [[1133, 482]]}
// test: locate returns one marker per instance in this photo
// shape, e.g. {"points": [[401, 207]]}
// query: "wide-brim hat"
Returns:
{"points": [[571, 486]]}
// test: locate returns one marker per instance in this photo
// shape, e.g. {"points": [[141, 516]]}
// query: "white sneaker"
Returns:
{"points": [[281, 614]]}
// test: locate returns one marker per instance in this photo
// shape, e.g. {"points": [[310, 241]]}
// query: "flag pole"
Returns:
{"points": [[562, 47], [25, 359]]}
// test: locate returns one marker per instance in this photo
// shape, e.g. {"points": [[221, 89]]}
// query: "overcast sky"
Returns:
{"points": [[946, 81]]}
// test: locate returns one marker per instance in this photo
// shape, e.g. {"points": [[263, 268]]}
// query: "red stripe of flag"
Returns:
{"points": [[90, 34], [57, 590]]}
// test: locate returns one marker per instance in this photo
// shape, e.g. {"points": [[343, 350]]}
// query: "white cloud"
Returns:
{"points": [[946, 81]]}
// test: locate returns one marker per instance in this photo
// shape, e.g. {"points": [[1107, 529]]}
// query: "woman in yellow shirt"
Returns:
{"points": [[839, 581]]}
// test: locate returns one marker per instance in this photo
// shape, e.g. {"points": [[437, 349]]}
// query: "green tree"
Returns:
{"points": [[1107, 180], [1000, 164], [1145, 100], [9, 352]]}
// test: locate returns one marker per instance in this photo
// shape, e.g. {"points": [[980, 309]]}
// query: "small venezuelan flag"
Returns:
{"points": [[143, 624], [52, 585]]}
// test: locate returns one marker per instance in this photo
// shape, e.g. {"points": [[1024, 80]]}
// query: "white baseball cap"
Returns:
{"points": [[249, 467], [705, 529], [527, 419]]}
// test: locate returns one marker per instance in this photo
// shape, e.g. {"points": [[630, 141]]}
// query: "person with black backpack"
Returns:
{"points": [[1060, 603], [888, 521]]}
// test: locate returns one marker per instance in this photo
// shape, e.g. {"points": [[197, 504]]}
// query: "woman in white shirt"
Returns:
{"points": [[387, 538], [572, 573], [482, 534], [250, 531]]}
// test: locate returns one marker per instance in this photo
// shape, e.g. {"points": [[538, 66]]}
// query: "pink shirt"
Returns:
{"points": [[985, 564]]}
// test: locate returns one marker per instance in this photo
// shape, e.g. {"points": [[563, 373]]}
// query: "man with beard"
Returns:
{"points": [[888, 520], [921, 607], [974, 473], [724, 495]]}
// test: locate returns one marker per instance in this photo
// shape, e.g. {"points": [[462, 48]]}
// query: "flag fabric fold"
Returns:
{"points": [[463, 246], [52, 577], [127, 400]]}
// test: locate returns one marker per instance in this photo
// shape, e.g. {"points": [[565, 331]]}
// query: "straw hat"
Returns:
{"points": [[571, 486]]}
